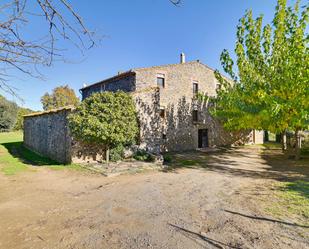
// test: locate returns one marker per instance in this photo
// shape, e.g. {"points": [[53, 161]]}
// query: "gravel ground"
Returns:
{"points": [[219, 204]]}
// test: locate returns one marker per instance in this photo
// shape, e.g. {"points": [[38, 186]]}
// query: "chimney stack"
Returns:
{"points": [[182, 58]]}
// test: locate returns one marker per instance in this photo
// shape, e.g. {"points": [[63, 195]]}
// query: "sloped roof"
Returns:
{"points": [[132, 71], [65, 108]]}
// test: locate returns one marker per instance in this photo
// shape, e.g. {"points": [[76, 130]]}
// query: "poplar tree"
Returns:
{"points": [[270, 76]]}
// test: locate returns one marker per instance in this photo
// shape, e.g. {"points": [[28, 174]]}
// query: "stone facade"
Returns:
{"points": [[174, 128], [171, 118], [124, 81], [47, 134]]}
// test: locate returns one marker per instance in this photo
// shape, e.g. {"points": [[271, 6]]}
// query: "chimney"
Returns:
{"points": [[182, 58]]}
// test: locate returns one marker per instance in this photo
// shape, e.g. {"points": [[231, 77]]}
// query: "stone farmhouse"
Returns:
{"points": [[171, 116]]}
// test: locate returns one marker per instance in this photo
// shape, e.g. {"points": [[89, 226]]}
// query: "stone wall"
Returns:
{"points": [[177, 131], [147, 106], [47, 134], [124, 82]]}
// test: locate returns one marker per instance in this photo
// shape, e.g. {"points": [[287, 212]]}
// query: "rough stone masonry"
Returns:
{"points": [[170, 115]]}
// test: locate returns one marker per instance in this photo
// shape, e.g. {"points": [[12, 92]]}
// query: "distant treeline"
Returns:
{"points": [[11, 115]]}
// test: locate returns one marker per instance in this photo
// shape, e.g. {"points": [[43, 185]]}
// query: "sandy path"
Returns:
{"points": [[188, 208]]}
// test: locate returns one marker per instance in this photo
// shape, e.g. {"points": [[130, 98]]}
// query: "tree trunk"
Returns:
{"points": [[107, 156], [297, 144], [283, 141]]}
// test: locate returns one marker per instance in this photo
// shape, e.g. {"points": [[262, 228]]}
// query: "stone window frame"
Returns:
{"points": [[161, 75], [162, 112], [195, 91]]}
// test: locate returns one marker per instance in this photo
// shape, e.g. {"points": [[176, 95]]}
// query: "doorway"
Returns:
{"points": [[203, 138]]}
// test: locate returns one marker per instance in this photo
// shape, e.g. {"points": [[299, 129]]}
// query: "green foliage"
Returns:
{"points": [[116, 153], [142, 155], [60, 97], [19, 125], [270, 90], [8, 115], [167, 158], [106, 118]]}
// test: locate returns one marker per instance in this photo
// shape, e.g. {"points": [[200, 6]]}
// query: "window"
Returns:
{"points": [[195, 88], [161, 80], [162, 112], [195, 115], [164, 136], [218, 87]]}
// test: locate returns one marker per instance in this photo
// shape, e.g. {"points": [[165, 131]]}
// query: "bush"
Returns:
{"points": [[142, 155], [116, 153], [106, 119], [167, 158]]}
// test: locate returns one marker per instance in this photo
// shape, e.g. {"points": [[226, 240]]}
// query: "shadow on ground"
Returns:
{"points": [[255, 162], [265, 219], [195, 236], [26, 156], [262, 163]]}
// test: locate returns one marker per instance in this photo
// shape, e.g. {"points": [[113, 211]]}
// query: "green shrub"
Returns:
{"points": [[167, 158], [142, 155], [107, 119], [116, 153]]}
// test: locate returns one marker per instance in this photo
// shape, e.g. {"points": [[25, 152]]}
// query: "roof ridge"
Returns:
{"points": [[164, 65], [132, 70]]}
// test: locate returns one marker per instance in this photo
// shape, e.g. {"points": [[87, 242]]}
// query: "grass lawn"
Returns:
{"points": [[291, 198], [15, 158]]}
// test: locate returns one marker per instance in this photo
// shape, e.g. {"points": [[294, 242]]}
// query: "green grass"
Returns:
{"points": [[189, 162], [291, 198], [15, 158], [10, 165], [272, 145]]}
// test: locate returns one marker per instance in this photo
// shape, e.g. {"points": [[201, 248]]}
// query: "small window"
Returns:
{"points": [[195, 88], [218, 87], [160, 80], [164, 136], [195, 115], [162, 112]]}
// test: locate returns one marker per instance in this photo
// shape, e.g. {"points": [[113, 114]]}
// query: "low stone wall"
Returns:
{"points": [[47, 134]]}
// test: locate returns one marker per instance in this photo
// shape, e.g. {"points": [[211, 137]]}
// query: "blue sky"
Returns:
{"points": [[140, 33]]}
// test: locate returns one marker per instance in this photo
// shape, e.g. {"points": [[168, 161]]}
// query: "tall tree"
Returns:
{"points": [[8, 115], [108, 119], [60, 97], [270, 89], [19, 125]]}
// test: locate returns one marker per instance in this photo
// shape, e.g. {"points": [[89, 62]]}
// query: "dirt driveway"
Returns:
{"points": [[219, 204]]}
